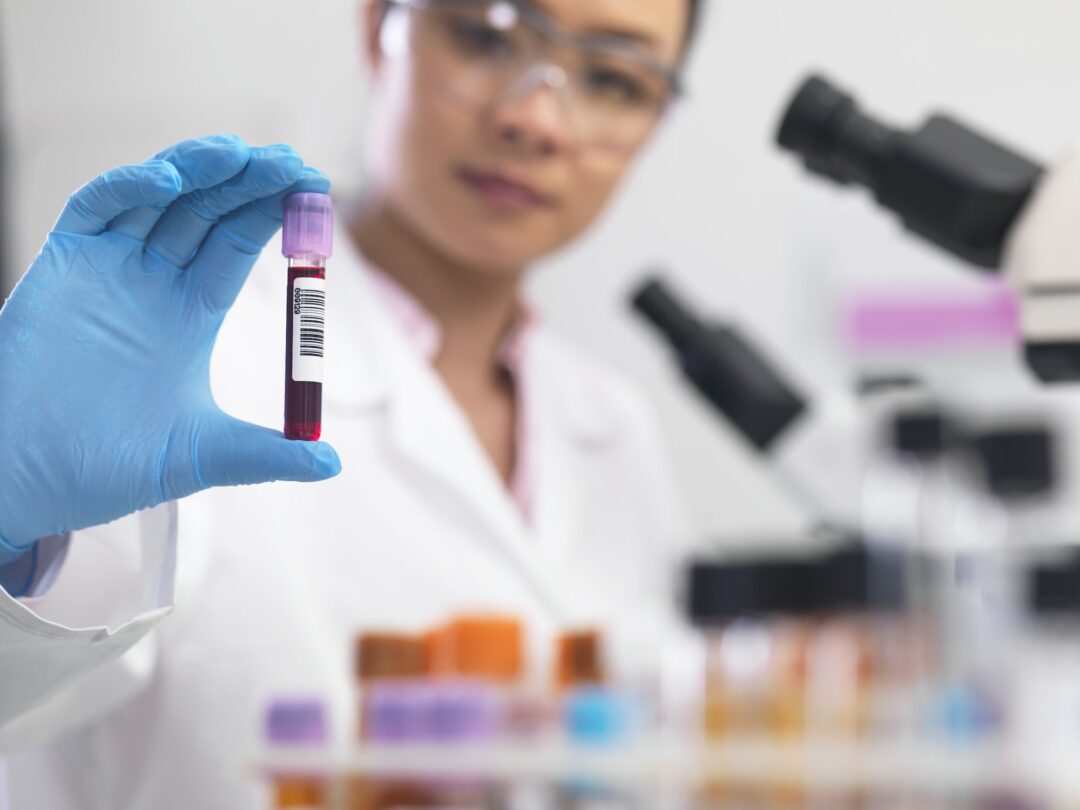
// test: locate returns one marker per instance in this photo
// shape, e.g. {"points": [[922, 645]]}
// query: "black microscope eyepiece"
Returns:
{"points": [[660, 307], [737, 379], [825, 127], [948, 183]]}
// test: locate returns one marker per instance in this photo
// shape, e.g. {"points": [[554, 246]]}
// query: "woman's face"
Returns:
{"points": [[495, 185]]}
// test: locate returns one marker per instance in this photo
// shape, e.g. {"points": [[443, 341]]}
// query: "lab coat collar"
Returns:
{"points": [[369, 351], [372, 368]]}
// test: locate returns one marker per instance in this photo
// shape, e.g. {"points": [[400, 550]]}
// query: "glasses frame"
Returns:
{"points": [[550, 30]]}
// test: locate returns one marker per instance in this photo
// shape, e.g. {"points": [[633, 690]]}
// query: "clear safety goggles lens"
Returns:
{"points": [[484, 53]]}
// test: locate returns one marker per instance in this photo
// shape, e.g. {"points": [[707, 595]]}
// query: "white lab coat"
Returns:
{"points": [[274, 581]]}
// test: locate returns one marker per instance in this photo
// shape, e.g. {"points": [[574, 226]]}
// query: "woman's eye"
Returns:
{"points": [[478, 38], [616, 85]]}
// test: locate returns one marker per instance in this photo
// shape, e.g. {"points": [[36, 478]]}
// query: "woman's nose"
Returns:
{"points": [[534, 113]]}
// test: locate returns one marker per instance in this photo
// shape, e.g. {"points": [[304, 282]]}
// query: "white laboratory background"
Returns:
{"points": [[86, 84]]}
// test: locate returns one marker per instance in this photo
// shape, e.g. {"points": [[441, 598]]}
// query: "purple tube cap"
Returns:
{"points": [[464, 712], [296, 721], [398, 711], [307, 225]]}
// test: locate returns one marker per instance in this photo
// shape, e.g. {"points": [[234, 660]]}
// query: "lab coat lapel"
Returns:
{"points": [[378, 372], [557, 497], [430, 432], [569, 433]]}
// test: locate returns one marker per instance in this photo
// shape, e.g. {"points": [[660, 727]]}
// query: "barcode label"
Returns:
{"points": [[309, 317]]}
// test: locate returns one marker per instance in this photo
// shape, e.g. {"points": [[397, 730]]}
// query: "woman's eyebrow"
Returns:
{"points": [[634, 35], [612, 33]]}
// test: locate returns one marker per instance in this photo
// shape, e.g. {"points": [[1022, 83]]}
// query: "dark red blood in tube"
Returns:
{"points": [[303, 400]]}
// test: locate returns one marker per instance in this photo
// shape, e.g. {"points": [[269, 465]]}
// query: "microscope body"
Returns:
{"points": [[1042, 263], [968, 194]]}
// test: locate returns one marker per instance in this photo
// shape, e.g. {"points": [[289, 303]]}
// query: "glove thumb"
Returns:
{"points": [[242, 453]]}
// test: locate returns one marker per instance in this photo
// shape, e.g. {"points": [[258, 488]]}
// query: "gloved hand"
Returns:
{"points": [[105, 344]]}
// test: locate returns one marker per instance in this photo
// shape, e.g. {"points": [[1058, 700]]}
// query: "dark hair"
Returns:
{"points": [[692, 23]]}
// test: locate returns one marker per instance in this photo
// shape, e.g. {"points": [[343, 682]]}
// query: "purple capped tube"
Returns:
{"points": [[307, 241]]}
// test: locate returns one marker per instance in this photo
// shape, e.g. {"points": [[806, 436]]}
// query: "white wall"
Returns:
{"points": [[90, 83]]}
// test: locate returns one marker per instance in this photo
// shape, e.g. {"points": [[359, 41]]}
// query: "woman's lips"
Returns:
{"points": [[501, 191]]}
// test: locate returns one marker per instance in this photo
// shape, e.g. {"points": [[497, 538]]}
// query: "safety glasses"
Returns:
{"points": [[482, 53]]}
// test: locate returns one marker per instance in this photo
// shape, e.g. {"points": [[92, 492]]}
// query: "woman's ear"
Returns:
{"points": [[370, 15]]}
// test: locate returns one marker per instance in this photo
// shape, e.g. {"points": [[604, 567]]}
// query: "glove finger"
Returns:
{"points": [[222, 263], [181, 229], [201, 163], [238, 452], [89, 210]]}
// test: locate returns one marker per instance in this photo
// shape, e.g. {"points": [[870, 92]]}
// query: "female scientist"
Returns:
{"points": [[487, 464]]}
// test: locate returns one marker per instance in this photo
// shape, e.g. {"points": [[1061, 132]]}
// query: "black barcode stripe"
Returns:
{"points": [[312, 304]]}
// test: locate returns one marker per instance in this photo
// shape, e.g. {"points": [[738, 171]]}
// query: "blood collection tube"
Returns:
{"points": [[307, 238], [297, 724]]}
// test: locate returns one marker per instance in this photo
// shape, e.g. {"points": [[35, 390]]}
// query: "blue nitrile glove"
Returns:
{"points": [[105, 344]]}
